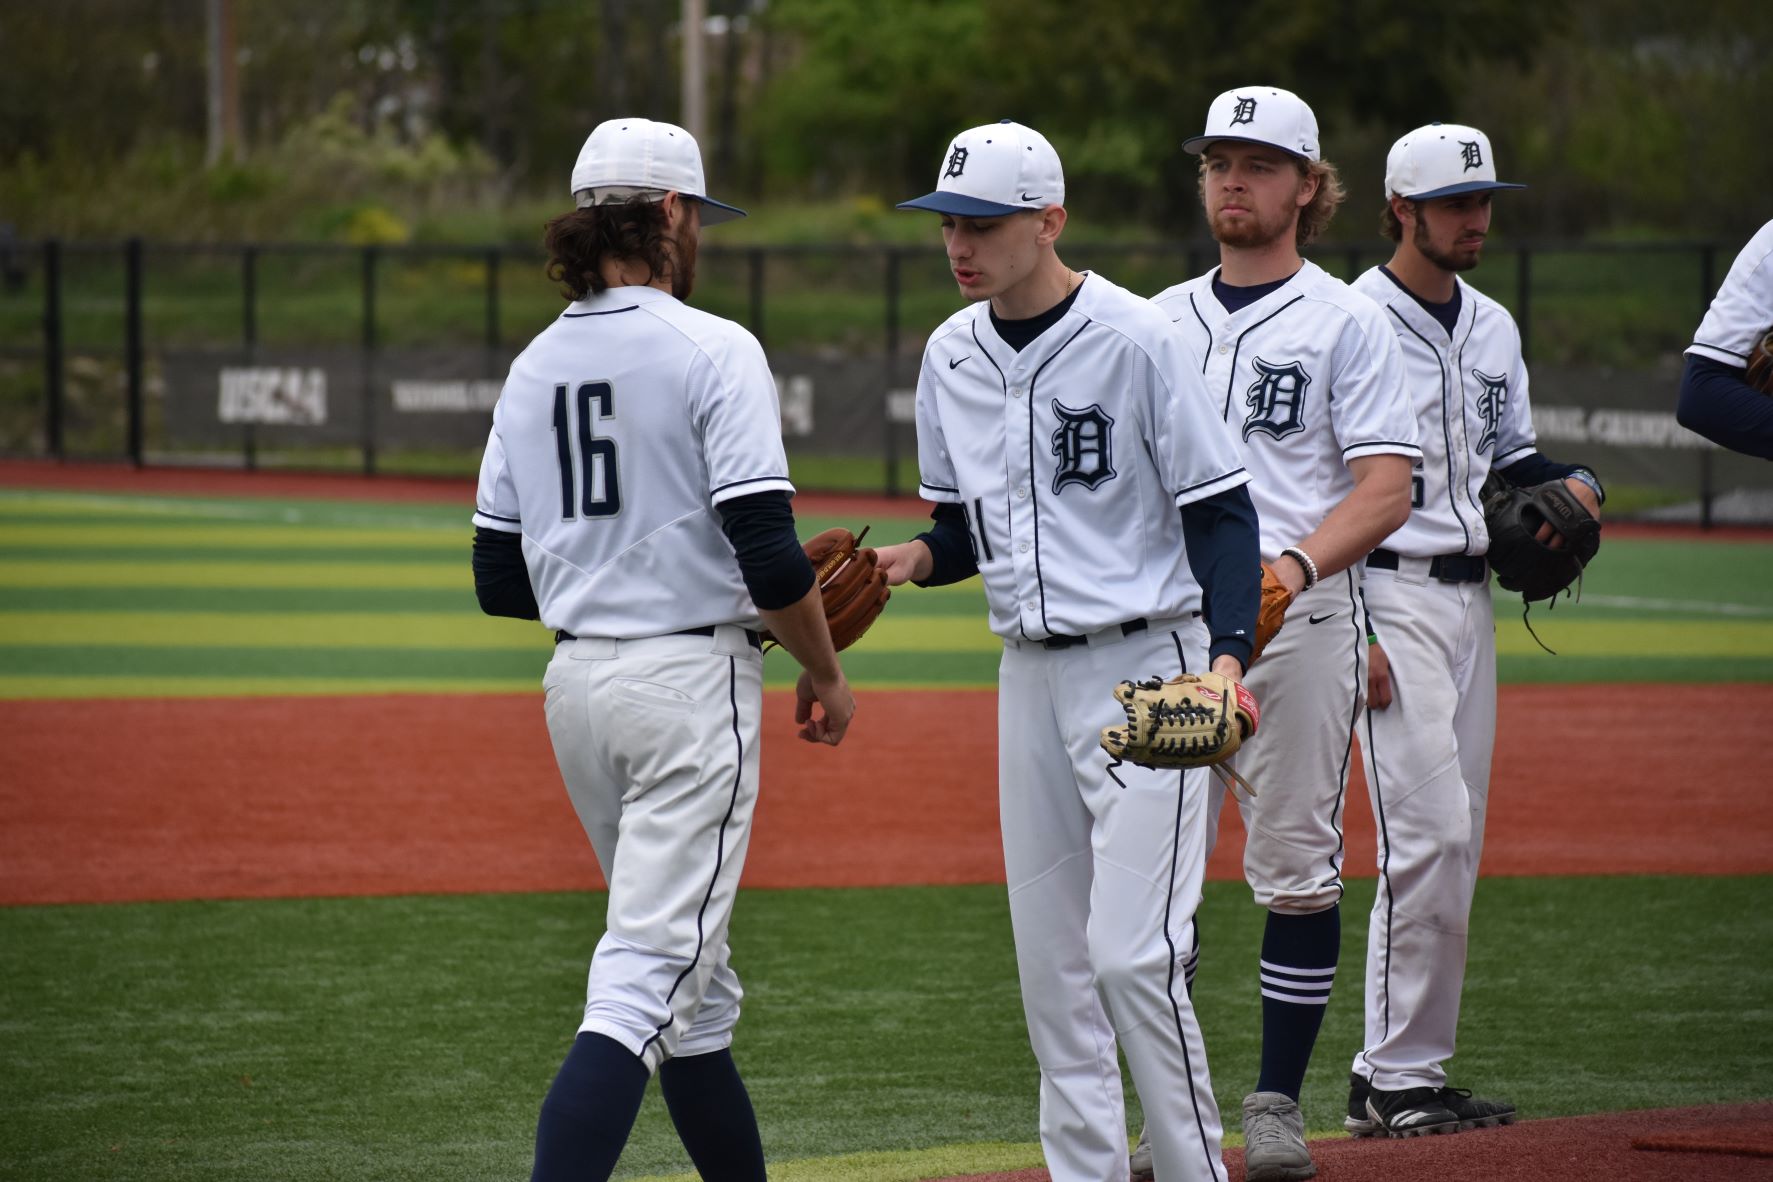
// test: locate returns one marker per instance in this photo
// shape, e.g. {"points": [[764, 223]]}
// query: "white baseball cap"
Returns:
{"points": [[626, 158], [993, 170], [1260, 115], [1441, 160]]}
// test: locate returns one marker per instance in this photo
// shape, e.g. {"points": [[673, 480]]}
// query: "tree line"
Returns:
{"points": [[1626, 117]]}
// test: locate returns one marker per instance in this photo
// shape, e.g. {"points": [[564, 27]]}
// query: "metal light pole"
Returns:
{"points": [[695, 88]]}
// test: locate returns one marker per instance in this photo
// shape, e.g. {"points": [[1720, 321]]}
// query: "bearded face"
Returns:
{"points": [[1450, 231], [683, 251]]}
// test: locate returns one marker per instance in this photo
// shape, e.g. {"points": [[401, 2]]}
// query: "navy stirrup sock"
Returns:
{"points": [[712, 1111], [588, 1112], [1298, 967]]}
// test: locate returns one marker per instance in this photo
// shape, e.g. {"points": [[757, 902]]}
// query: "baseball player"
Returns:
{"points": [[1430, 726], [1307, 374], [1078, 468], [1716, 401], [635, 496]]}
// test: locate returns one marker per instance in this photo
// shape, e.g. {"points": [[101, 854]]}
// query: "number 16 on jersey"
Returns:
{"points": [[598, 485]]}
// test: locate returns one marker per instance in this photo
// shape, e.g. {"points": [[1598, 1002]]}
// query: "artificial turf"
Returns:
{"points": [[413, 1037]]}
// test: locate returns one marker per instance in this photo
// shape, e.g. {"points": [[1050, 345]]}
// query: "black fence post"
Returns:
{"points": [[754, 267], [368, 414], [132, 349], [492, 300], [1523, 298], [249, 339], [1353, 257], [54, 385], [892, 371]]}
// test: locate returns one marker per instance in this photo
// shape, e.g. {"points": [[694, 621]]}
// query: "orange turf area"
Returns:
{"points": [[133, 799]]}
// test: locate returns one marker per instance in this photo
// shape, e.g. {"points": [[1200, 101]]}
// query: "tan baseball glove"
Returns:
{"points": [[1195, 720], [1276, 599], [850, 581]]}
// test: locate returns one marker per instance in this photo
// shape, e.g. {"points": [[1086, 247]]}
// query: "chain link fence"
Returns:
{"points": [[388, 359]]}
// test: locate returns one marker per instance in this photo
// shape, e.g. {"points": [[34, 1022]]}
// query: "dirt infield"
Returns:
{"points": [[138, 799], [1663, 1145]]}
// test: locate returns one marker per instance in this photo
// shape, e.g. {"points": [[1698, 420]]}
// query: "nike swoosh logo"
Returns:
{"points": [[957, 361], [1026, 197], [1319, 619]]}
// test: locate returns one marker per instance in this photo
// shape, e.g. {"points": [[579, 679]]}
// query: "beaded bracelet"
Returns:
{"points": [[1305, 564]]}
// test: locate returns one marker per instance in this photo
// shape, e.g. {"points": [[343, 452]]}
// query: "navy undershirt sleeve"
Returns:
{"points": [[1225, 552], [501, 578], [951, 547], [1719, 404], [1534, 468], [771, 559]]}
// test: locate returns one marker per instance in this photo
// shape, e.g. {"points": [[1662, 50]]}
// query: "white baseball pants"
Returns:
{"points": [[1103, 886], [657, 741], [1428, 775], [1310, 684]]}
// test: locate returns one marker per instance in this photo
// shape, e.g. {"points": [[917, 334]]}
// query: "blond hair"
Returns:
{"points": [[1315, 218]]}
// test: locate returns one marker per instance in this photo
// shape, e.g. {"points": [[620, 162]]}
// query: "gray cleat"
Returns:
{"points": [[1274, 1139], [1140, 1161]]}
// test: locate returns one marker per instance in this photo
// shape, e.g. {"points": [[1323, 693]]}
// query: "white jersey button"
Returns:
{"points": [[1022, 494], [1023, 547], [1224, 348]]}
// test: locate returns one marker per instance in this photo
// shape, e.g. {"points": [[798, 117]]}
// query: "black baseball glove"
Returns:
{"points": [[1521, 561]]}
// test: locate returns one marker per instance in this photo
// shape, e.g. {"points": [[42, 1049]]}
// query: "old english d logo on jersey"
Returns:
{"points": [[1083, 446], [1492, 398], [1277, 399], [957, 162]]}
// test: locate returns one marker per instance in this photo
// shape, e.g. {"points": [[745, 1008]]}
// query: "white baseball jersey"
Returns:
{"points": [[1310, 352], [1470, 396], [1071, 458], [1744, 305], [619, 430]]}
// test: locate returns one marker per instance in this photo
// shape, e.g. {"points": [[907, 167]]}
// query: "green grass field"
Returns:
{"points": [[412, 1038], [106, 595]]}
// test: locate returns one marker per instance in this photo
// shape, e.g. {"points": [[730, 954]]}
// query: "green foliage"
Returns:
{"points": [[870, 103]]}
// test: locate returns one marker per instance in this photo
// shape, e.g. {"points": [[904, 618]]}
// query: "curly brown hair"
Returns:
{"points": [[1389, 226], [581, 240]]}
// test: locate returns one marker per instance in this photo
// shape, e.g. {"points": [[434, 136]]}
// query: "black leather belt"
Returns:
{"points": [[1448, 568], [1126, 629], [754, 638]]}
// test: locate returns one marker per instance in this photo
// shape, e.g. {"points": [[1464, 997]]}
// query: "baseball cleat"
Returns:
{"points": [[1140, 1161], [1474, 1112], [1413, 1112], [1274, 1139], [1357, 1122]]}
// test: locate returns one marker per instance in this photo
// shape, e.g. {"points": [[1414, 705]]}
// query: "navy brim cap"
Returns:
{"points": [[1195, 145], [727, 212], [961, 206], [1456, 190]]}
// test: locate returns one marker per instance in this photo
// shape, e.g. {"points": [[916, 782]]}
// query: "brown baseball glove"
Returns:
{"points": [[850, 582], [1276, 599], [1760, 363], [1195, 720]]}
